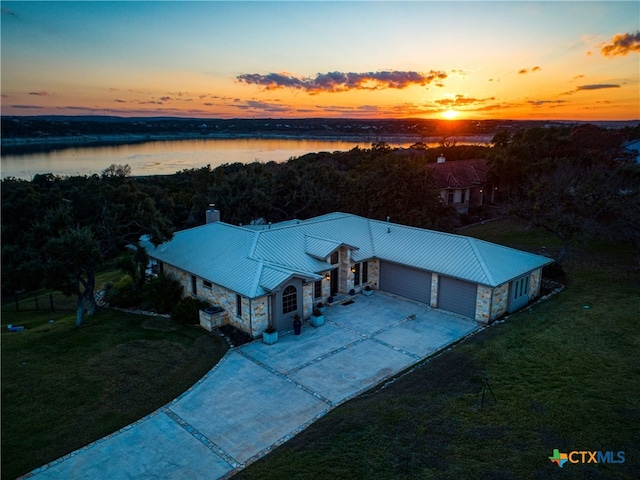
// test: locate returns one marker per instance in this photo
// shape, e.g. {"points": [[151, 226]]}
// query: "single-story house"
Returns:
{"points": [[463, 183], [263, 275]]}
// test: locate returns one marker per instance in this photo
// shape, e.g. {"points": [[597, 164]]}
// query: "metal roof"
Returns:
{"points": [[254, 262]]}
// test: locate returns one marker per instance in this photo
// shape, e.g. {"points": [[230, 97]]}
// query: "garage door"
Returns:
{"points": [[457, 296], [405, 281]]}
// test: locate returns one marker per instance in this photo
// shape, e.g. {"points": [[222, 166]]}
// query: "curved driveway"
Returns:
{"points": [[259, 396]]}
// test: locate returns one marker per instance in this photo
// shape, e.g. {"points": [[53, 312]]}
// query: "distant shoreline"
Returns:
{"points": [[20, 143]]}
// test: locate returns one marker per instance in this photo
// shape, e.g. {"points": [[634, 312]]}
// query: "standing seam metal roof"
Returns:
{"points": [[254, 262]]}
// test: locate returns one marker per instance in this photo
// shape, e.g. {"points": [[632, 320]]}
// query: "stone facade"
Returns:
{"points": [[500, 301], [307, 300], [346, 277], [254, 312], [534, 283], [254, 319], [374, 274], [483, 304], [259, 308], [434, 290]]}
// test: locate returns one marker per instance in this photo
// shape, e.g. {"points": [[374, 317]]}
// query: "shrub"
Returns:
{"points": [[163, 293], [187, 311], [122, 294]]}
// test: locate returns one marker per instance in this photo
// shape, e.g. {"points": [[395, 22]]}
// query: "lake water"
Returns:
{"points": [[168, 157]]}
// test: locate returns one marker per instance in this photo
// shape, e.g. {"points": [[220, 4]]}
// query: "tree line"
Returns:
{"points": [[577, 183], [56, 231]]}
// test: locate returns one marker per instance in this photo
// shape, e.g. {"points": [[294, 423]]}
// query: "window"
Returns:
{"points": [[194, 285], [356, 274], [464, 196], [335, 258], [238, 305], [161, 267], [450, 197], [365, 272], [521, 287], [206, 284], [317, 289], [289, 299]]}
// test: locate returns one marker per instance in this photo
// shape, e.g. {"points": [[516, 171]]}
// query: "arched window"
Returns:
{"points": [[289, 299]]}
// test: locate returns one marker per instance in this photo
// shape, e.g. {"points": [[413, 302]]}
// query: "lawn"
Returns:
{"points": [[64, 387], [565, 373]]}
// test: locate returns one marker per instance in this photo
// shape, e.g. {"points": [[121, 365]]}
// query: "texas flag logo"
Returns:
{"points": [[559, 458]]}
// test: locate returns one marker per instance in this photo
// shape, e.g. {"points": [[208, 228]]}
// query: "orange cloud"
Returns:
{"points": [[622, 44], [461, 100]]}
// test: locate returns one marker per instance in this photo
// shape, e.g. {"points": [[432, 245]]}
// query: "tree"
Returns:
{"points": [[72, 261], [69, 256], [569, 201]]}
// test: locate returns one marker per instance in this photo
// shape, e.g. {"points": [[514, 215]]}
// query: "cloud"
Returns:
{"points": [[524, 71], [117, 100], [622, 44], [334, 82], [549, 103], [260, 106], [593, 86], [461, 100], [26, 106], [597, 86], [40, 94]]}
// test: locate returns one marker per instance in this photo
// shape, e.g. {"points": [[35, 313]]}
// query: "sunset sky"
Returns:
{"points": [[504, 60]]}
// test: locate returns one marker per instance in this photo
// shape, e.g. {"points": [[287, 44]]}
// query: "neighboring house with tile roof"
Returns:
{"points": [[463, 183], [263, 275]]}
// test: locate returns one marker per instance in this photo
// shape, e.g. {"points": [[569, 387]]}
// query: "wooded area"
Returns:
{"points": [[575, 182]]}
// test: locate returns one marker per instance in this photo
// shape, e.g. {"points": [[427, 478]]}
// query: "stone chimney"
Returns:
{"points": [[212, 214], [441, 159]]}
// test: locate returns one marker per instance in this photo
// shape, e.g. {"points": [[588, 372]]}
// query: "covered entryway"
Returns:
{"points": [[457, 296], [286, 303], [405, 281]]}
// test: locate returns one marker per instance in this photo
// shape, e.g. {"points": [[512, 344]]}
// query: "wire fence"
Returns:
{"points": [[32, 302]]}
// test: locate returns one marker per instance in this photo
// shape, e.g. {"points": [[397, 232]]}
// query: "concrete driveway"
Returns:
{"points": [[259, 396]]}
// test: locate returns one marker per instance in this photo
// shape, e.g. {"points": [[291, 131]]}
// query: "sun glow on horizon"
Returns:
{"points": [[450, 114]]}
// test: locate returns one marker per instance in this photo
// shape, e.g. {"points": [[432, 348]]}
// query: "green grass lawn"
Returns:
{"points": [[64, 387], [564, 376]]}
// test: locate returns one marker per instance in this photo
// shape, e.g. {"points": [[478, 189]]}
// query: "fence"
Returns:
{"points": [[30, 302]]}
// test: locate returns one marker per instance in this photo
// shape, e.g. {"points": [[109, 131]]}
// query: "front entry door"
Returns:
{"points": [[334, 282]]}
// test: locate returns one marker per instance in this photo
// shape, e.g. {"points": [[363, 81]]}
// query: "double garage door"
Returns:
{"points": [[453, 295]]}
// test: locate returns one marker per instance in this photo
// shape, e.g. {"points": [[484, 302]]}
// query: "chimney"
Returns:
{"points": [[212, 215], [441, 159]]}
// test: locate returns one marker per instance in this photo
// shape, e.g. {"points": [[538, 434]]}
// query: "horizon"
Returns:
{"points": [[524, 61]]}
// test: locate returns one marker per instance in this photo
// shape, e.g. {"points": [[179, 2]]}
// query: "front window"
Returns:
{"points": [[365, 272], [238, 305], [356, 274], [317, 289], [194, 285], [289, 299], [334, 258]]}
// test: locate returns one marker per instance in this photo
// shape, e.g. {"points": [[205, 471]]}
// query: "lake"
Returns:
{"points": [[168, 157]]}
